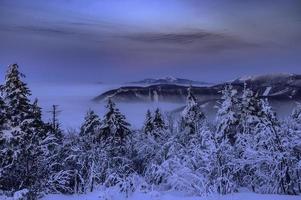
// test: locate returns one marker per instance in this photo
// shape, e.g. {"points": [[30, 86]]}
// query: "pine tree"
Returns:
{"points": [[2, 114], [116, 133], [266, 159], [223, 174], [17, 139], [90, 151], [16, 95], [271, 145], [227, 118], [160, 128], [293, 130], [90, 127], [249, 115], [148, 126], [115, 128], [250, 111], [295, 119], [21, 139], [192, 115]]}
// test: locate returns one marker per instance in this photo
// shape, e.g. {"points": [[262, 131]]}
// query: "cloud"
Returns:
{"points": [[45, 30], [175, 38], [202, 40]]}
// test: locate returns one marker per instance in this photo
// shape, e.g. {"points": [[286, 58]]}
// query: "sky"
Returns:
{"points": [[114, 41]]}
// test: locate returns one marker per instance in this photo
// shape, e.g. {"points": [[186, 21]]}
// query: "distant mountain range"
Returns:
{"points": [[168, 80], [274, 86]]}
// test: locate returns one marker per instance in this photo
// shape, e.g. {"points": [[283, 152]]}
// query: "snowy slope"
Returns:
{"points": [[168, 80], [274, 86], [170, 196]]}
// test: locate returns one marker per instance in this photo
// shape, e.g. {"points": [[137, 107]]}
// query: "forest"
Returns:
{"points": [[247, 146]]}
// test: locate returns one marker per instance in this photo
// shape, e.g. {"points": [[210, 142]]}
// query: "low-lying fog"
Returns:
{"points": [[74, 100]]}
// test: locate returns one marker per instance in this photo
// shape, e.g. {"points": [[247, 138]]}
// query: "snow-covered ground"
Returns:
{"points": [[75, 99], [170, 196]]}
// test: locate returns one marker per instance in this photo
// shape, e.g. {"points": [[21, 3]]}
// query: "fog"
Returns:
{"points": [[74, 100]]}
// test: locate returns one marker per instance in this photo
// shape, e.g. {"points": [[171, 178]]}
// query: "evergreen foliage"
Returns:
{"points": [[248, 146]]}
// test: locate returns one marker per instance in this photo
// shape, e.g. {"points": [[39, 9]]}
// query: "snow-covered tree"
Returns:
{"points": [[22, 139], [295, 123], [2, 113], [17, 138], [115, 129], [249, 115], [265, 156], [117, 136], [148, 125], [160, 128], [250, 111], [90, 151], [223, 174], [15, 95], [293, 130], [90, 127], [192, 115], [227, 115]]}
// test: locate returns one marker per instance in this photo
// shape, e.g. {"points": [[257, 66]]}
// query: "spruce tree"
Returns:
{"points": [[148, 125], [250, 111], [249, 114], [2, 113], [271, 155], [160, 128], [22, 138], [192, 115], [15, 95], [17, 138], [222, 176], [227, 117], [90, 127], [115, 131], [90, 151], [293, 130]]}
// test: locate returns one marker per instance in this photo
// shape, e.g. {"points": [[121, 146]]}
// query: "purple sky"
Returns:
{"points": [[123, 40]]}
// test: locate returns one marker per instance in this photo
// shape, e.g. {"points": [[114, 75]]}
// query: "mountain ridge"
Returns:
{"points": [[167, 80], [275, 86]]}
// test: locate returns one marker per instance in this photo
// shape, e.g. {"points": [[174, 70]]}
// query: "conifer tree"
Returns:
{"points": [[91, 125], [227, 118], [160, 128], [271, 156], [2, 113], [15, 95], [117, 134], [192, 115], [22, 136], [295, 118], [249, 114], [90, 153], [148, 125], [222, 176], [250, 111], [293, 130]]}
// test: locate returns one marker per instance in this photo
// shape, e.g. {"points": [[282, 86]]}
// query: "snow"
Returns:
{"points": [[168, 196], [267, 91]]}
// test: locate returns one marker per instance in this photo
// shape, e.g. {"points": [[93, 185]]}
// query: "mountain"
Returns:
{"points": [[160, 92], [168, 80], [280, 86], [274, 86]]}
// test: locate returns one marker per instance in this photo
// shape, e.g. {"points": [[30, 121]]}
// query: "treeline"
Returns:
{"points": [[246, 146]]}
